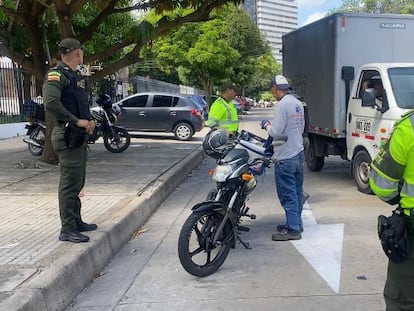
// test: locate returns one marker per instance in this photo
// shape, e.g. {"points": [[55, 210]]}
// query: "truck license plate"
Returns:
{"points": [[363, 125]]}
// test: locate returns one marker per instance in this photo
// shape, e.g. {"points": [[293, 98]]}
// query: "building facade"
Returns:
{"points": [[274, 18]]}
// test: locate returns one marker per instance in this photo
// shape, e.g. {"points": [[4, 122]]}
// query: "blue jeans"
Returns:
{"points": [[289, 187]]}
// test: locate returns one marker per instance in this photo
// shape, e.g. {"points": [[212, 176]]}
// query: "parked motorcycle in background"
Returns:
{"points": [[116, 138], [215, 225], [36, 127]]}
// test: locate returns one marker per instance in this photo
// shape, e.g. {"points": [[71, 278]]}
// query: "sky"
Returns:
{"points": [[312, 10]]}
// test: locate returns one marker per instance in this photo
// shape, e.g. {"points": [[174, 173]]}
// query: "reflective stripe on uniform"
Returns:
{"points": [[223, 115], [230, 122], [382, 185], [407, 195]]}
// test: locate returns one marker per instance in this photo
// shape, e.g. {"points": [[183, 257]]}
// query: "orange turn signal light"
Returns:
{"points": [[211, 171], [383, 130], [247, 177]]}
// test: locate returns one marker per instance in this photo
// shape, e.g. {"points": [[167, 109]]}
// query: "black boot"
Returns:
{"points": [[73, 236], [83, 226]]}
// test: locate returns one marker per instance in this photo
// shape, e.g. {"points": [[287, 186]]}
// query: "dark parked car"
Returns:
{"points": [[199, 99], [161, 112]]}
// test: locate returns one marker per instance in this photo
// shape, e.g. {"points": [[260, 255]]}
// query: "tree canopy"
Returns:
{"points": [[228, 47], [377, 6], [31, 29]]}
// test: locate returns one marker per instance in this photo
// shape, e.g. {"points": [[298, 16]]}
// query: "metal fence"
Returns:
{"points": [[12, 92], [142, 84]]}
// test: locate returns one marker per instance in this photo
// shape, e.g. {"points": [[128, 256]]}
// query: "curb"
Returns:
{"points": [[56, 287]]}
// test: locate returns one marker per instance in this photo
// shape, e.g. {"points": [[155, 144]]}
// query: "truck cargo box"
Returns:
{"points": [[314, 58]]}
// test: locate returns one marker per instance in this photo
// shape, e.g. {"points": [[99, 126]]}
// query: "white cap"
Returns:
{"points": [[281, 82]]}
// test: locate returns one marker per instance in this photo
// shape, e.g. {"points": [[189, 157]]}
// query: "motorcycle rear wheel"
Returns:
{"points": [[38, 136], [197, 254], [119, 142]]}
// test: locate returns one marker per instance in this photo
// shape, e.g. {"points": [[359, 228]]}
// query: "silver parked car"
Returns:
{"points": [[161, 112]]}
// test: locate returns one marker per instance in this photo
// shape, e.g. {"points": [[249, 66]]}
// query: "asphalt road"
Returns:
{"points": [[338, 264]]}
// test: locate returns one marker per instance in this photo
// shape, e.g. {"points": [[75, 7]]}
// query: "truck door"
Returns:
{"points": [[365, 124]]}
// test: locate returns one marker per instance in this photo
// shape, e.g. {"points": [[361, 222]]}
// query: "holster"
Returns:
{"points": [[392, 231], [74, 136]]}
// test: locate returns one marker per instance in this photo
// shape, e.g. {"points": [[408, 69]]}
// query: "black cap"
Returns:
{"points": [[229, 86], [69, 44]]}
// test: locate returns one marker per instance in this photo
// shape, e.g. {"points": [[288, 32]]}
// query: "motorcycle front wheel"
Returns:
{"points": [[197, 254], [38, 136], [118, 141]]}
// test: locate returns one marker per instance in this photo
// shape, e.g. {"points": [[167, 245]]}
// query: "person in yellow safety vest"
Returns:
{"points": [[222, 112], [392, 179]]}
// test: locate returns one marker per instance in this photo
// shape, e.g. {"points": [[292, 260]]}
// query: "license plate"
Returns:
{"points": [[363, 125]]}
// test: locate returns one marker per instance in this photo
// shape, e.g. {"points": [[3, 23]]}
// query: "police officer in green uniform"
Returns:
{"points": [[222, 113], [392, 179], [66, 98]]}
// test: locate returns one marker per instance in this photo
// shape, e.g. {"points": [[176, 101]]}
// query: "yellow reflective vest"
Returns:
{"points": [[223, 114], [392, 171]]}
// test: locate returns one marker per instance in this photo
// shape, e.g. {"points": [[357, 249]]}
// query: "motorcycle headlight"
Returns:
{"points": [[222, 172]]}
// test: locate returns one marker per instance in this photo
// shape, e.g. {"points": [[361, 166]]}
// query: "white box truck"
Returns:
{"points": [[356, 75]]}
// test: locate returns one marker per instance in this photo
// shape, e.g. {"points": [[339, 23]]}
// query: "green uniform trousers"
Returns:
{"points": [[399, 287], [72, 179]]}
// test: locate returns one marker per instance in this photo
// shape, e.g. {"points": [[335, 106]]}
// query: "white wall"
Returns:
{"points": [[12, 130]]}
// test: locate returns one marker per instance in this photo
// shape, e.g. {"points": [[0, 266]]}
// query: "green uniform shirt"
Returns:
{"points": [[223, 114], [54, 83], [392, 171]]}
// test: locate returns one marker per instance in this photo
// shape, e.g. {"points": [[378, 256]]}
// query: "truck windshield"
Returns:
{"points": [[402, 83]]}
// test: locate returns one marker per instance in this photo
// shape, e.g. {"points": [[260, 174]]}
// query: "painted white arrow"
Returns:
{"points": [[321, 245]]}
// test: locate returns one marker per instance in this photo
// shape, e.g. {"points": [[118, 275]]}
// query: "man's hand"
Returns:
{"points": [[82, 123], [90, 127], [264, 124]]}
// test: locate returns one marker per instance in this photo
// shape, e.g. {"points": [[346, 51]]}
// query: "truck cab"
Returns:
{"points": [[381, 93]]}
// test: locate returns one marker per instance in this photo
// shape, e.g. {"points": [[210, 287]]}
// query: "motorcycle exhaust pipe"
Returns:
{"points": [[32, 142]]}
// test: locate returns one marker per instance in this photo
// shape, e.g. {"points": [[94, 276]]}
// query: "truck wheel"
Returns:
{"points": [[360, 170], [313, 162]]}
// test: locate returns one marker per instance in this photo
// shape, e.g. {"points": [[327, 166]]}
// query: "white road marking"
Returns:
{"points": [[321, 245]]}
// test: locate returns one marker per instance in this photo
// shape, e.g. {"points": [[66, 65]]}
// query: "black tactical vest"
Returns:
{"points": [[74, 97]]}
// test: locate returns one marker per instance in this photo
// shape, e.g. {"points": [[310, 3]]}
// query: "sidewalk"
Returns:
{"points": [[38, 272]]}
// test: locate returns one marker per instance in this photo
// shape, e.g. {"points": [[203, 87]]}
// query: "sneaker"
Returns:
{"points": [[286, 235], [83, 226], [73, 236], [283, 227]]}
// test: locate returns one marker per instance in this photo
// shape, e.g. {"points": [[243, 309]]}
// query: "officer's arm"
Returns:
{"points": [[215, 114], [387, 169], [52, 92]]}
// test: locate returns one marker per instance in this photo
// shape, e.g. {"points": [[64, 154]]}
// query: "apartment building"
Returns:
{"points": [[274, 18]]}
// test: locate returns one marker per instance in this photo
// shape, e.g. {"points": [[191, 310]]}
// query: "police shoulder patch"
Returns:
{"points": [[53, 76]]}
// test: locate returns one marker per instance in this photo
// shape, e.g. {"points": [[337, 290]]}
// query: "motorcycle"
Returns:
{"points": [[116, 138], [36, 128], [214, 225]]}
